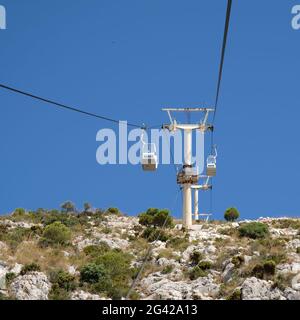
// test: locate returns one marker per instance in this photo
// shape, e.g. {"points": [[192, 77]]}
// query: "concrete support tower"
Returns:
{"points": [[188, 177]]}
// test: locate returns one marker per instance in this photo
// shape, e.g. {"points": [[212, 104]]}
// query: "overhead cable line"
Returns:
{"points": [[227, 23], [64, 106], [226, 28]]}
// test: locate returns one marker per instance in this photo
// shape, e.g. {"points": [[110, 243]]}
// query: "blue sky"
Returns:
{"points": [[127, 60]]}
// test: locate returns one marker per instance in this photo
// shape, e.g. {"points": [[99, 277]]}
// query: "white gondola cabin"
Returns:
{"points": [[211, 166], [149, 157]]}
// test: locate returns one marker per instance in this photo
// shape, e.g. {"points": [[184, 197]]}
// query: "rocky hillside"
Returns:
{"points": [[96, 255]]}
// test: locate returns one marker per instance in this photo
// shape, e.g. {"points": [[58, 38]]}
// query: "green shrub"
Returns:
{"points": [[205, 265], [3, 232], [228, 231], [37, 230], [178, 243], [92, 273], [117, 266], [254, 230], [113, 211], [298, 250], [167, 269], [196, 273], [200, 270], [157, 218], [258, 271], [163, 219], [152, 234], [87, 207], [269, 267], [64, 280], [69, 220], [145, 219], [238, 261], [56, 233], [196, 257], [57, 293], [104, 285], [231, 214], [166, 253], [32, 267], [283, 281], [236, 295], [68, 206], [9, 277], [134, 295], [62, 283], [95, 251], [116, 263], [15, 236], [265, 269], [19, 214]]}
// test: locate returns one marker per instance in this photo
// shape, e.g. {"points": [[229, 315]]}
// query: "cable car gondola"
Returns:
{"points": [[149, 157], [211, 164]]}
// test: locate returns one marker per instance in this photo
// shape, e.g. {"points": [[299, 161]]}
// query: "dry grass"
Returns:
{"points": [[151, 268], [220, 243], [270, 248], [287, 223], [223, 256], [227, 289], [167, 253], [139, 246], [47, 258]]}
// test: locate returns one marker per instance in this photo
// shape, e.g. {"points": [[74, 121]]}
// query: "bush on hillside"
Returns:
{"points": [[18, 214], [56, 234], [236, 295], [68, 207], [32, 267], [238, 260], [156, 218], [231, 214], [9, 277], [196, 273], [113, 211], [13, 237], [151, 234], [264, 269], [87, 207], [167, 269], [269, 267], [254, 230], [116, 263], [110, 273], [196, 257], [92, 273], [63, 280], [205, 265], [94, 251], [69, 220], [178, 243]]}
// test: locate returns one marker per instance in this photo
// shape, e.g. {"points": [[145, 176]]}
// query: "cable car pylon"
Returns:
{"points": [[188, 177]]}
